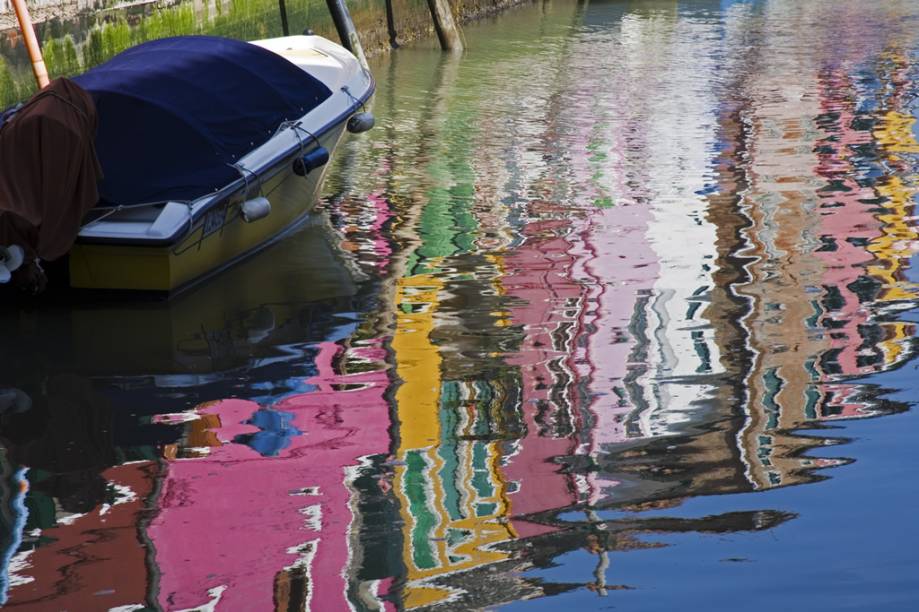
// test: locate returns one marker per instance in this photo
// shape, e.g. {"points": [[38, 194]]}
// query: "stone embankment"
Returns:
{"points": [[412, 19], [78, 34], [43, 11]]}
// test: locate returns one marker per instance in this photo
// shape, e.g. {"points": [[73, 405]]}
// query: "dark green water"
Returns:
{"points": [[617, 310]]}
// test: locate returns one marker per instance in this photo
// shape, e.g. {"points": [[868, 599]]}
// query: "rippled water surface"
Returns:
{"points": [[615, 311]]}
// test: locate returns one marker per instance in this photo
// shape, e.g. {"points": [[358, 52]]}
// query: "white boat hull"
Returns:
{"points": [[172, 246]]}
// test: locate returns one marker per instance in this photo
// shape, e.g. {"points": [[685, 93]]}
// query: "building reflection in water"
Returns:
{"points": [[528, 306]]}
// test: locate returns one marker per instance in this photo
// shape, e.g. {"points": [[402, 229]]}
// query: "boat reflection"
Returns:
{"points": [[113, 437]]}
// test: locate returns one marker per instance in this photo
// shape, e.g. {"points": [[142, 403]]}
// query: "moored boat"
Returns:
{"points": [[210, 149]]}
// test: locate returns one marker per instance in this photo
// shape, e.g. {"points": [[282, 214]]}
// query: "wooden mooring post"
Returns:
{"points": [[346, 32], [282, 8], [32, 46], [391, 25], [448, 31]]}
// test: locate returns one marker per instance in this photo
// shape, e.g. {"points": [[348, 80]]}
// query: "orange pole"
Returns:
{"points": [[28, 33]]}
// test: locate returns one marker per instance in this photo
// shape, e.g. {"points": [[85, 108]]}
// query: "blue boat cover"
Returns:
{"points": [[175, 113]]}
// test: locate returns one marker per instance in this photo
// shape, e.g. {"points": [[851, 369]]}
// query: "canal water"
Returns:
{"points": [[617, 310]]}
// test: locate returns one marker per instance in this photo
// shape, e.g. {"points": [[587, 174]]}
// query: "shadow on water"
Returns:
{"points": [[587, 288], [93, 386]]}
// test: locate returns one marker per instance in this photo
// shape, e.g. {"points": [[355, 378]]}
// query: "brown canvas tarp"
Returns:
{"points": [[48, 170]]}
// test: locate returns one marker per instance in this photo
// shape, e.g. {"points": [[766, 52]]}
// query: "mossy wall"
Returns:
{"points": [[81, 41]]}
